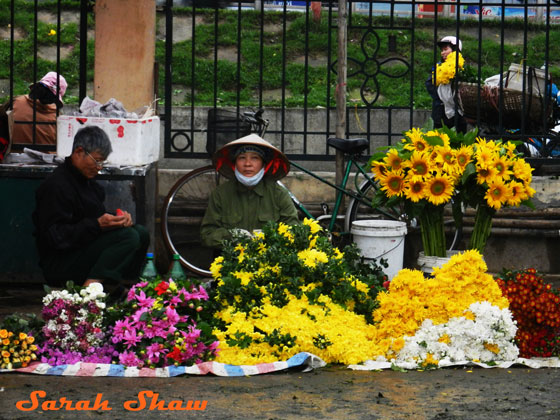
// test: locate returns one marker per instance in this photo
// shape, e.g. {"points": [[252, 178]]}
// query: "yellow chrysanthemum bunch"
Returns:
{"points": [[293, 292], [412, 298], [446, 71], [329, 331]]}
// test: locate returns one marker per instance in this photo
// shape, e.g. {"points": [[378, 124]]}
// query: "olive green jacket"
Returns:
{"points": [[232, 205]]}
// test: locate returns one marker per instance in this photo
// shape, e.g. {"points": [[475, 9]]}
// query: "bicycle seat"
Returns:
{"points": [[350, 146]]}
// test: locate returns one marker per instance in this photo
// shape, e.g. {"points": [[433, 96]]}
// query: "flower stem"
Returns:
{"points": [[433, 234], [482, 227]]}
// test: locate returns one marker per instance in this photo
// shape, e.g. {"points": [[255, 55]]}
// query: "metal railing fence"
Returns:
{"points": [[281, 56]]}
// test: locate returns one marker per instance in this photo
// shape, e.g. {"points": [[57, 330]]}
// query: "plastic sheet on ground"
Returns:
{"points": [[535, 363], [304, 362]]}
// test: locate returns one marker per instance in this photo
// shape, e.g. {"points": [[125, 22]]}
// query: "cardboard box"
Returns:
{"points": [[134, 142]]}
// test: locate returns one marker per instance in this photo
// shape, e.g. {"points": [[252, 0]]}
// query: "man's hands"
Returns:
{"points": [[108, 221]]}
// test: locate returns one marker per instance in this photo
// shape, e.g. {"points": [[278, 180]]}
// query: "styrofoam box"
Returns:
{"points": [[134, 142], [516, 76]]}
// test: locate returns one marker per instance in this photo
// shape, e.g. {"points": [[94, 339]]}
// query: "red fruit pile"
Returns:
{"points": [[536, 308]]}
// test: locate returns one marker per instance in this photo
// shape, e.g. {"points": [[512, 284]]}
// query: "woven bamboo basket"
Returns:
{"points": [[514, 105]]}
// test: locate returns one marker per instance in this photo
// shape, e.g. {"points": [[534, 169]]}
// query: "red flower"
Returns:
{"points": [[161, 288], [175, 354]]}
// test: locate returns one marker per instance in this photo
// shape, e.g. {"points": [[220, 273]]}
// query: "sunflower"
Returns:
{"points": [[484, 156], [517, 193], [502, 165], [497, 194], [417, 141], [522, 170], [392, 183], [415, 189], [419, 164], [485, 174], [379, 169], [446, 159], [439, 189], [510, 148], [463, 156], [393, 160]]}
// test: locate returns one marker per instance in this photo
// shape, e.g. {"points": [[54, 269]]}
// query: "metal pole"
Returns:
{"points": [[341, 86], [540, 11]]}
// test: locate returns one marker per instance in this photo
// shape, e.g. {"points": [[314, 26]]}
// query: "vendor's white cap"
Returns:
{"points": [[451, 40]]}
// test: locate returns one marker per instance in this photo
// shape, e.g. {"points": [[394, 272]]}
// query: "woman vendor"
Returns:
{"points": [[251, 197]]}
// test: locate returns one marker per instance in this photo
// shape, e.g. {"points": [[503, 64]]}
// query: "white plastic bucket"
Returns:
{"points": [[426, 263], [381, 239]]}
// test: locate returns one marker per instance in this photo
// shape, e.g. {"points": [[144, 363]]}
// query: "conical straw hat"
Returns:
{"points": [[276, 163]]}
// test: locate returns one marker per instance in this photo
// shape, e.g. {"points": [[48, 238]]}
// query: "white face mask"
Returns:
{"points": [[249, 181]]}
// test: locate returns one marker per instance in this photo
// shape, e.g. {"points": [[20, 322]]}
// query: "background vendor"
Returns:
{"points": [[251, 197], [35, 112], [445, 109]]}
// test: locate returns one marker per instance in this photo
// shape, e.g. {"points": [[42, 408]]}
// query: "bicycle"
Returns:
{"points": [[186, 202]]}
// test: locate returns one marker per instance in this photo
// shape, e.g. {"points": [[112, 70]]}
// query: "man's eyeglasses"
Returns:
{"points": [[98, 164]]}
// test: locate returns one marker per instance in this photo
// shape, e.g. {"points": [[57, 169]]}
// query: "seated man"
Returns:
{"points": [[77, 239], [40, 105], [251, 197]]}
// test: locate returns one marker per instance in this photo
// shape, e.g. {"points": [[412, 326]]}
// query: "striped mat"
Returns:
{"points": [[302, 361]]}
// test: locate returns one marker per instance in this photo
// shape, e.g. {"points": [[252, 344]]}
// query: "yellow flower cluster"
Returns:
{"points": [[329, 331], [411, 299], [17, 349], [293, 292], [446, 71], [424, 166], [507, 177]]}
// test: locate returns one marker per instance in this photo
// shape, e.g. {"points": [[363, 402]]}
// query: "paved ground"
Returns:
{"points": [[334, 392], [327, 393]]}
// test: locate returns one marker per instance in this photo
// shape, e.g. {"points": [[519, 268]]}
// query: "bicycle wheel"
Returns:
{"points": [[362, 209], [181, 217]]}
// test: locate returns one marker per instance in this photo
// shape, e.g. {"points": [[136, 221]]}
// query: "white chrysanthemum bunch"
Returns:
{"points": [[485, 334]]}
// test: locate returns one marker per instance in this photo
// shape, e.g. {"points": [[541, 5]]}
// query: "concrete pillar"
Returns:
{"points": [[124, 51]]}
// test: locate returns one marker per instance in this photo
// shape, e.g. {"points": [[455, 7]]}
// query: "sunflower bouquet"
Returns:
{"points": [[430, 169], [421, 174], [496, 176]]}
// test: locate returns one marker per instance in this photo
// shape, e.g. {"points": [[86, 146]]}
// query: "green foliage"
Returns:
{"points": [[299, 36], [29, 323]]}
